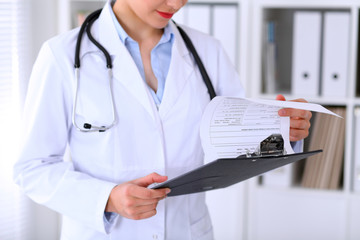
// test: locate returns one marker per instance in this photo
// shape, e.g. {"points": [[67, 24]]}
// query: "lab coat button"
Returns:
{"points": [[155, 236]]}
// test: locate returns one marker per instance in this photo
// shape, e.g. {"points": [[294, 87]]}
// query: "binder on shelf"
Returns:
{"points": [[198, 17], [306, 53], [324, 170], [270, 58], [356, 171], [226, 15], [335, 54]]}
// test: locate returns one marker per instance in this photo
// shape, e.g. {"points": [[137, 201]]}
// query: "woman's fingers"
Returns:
{"points": [[295, 113], [141, 212], [134, 200], [145, 193], [149, 179], [299, 119]]}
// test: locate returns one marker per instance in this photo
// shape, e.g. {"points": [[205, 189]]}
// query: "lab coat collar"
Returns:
{"points": [[124, 67], [179, 42], [107, 33], [180, 69]]}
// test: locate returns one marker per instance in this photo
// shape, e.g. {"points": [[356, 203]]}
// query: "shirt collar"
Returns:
{"points": [[168, 35]]}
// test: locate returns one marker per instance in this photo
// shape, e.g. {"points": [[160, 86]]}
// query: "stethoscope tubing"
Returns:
{"points": [[89, 127], [198, 61], [86, 26]]}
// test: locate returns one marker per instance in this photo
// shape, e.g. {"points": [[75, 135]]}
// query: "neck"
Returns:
{"points": [[136, 28]]}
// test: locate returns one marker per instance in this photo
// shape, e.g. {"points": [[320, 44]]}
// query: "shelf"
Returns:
{"points": [[297, 214], [306, 192], [357, 82], [278, 54], [311, 206], [305, 4]]}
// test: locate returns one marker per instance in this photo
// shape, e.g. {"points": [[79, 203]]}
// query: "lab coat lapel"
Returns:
{"points": [[124, 68], [181, 68]]}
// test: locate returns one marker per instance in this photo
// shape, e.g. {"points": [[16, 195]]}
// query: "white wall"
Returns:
{"points": [[44, 24]]}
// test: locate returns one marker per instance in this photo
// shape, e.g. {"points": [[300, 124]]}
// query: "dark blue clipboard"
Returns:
{"points": [[224, 172]]}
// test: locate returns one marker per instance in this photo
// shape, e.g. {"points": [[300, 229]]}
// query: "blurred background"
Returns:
{"points": [[300, 48], [22, 31]]}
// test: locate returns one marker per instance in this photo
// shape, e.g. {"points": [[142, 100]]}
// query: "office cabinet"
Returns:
{"points": [[258, 36], [307, 212]]}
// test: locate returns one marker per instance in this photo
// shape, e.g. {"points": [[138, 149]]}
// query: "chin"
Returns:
{"points": [[160, 25]]}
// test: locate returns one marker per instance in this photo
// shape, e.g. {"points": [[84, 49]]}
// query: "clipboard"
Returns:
{"points": [[224, 172]]}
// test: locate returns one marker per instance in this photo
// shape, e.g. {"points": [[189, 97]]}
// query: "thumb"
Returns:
{"points": [[150, 179], [280, 97]]}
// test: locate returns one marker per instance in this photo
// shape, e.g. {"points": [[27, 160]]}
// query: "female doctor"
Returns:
{"points": [[158, 100]]}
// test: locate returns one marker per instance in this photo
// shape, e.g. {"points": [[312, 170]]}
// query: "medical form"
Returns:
{"points": [[235, 126]]}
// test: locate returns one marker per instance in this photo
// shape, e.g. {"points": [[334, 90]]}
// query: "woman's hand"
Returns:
{"points": [[134, 200], [299, 120]]}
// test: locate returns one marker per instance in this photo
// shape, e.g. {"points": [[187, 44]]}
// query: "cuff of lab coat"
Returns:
{"points": [[102, 225], [297, 146], [109, 221]]}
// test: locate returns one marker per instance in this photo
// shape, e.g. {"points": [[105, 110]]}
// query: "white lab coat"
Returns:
{"points": [[145, 139]]}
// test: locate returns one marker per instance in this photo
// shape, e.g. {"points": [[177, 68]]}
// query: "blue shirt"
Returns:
{"points": [[160, 57], [160, 62]]}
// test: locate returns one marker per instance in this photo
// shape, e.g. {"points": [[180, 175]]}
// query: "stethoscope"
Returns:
{"points": [[86, 26]]}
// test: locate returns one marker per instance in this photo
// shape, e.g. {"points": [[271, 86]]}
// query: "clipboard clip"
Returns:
{"points": [[273, 145]]}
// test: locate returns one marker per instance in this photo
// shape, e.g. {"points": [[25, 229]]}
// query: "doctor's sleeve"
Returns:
{"points": [[41, 171]]}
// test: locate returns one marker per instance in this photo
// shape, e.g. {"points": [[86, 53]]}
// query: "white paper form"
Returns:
{"points": [[234, 126]]}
